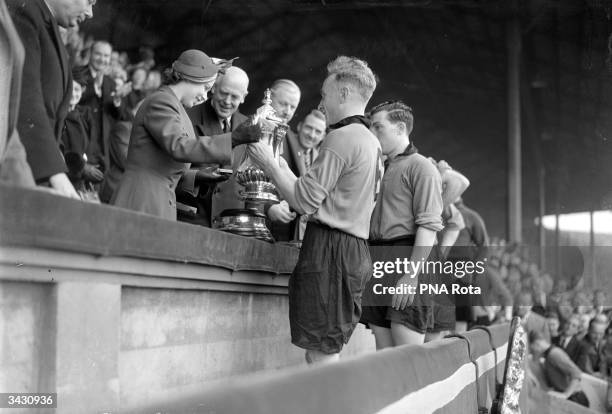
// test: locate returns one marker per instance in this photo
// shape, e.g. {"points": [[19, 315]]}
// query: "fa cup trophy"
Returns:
{"points": [[258, 191]]}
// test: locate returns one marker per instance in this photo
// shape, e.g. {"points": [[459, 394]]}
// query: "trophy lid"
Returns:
{"points": [[266, 111]]}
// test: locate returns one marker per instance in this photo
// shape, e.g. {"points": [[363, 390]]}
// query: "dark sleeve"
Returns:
{"points": [[562, 361], [582, 360], [35, 129], [176, 136]]}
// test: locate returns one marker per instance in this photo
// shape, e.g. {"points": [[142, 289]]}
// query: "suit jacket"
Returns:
{"points": [[210, 200], [572, 348], [46, 87], [294, 154], [14, 169], [104, 114], [590, 359], [162, 146]]}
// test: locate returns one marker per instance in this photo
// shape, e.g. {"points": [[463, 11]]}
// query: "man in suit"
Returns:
{"points": [[285, 100], [568, 340], [100, 96], [200, 198], [302, 149], [47, 84], [560, 372], [591, 358]]}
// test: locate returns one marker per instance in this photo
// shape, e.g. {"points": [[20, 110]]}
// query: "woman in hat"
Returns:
{"points": [[163, 142]]}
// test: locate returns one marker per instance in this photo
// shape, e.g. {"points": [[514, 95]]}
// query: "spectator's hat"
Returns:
{"points": [[195, 66]]}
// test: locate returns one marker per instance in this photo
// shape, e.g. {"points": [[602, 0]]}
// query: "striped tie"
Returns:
{"points": [[308, 158]]}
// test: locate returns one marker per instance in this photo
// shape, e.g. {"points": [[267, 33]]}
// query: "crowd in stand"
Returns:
{"points": [[569, 327]]}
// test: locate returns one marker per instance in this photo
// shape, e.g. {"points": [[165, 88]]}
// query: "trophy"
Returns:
{"points": [[258, 190]]}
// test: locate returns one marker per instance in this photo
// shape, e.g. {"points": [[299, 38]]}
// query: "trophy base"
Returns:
{"points": [[260, 191], [244, 222]]}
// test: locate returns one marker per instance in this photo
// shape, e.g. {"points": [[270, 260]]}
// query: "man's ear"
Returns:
{"points": [[344, 93], [401, 128], [244, 96]]}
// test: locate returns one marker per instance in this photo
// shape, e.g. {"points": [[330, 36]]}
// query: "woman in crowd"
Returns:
{"points": [[163, 142]]}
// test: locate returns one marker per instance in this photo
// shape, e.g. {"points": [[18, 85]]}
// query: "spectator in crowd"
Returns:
{"points": [[304, 149], [46, 84], [590, 355], [531, 321], [119, 143], [203, 199], [599, 302], [560, 372], [537, 290], [405, 215], [565, 308], [14, 168], [137, 88], [285, 100], [339, 191], [100, 96], [153, 82], [552, 321], [568, 340], [444, 307], [76, 140], [163, 141]]}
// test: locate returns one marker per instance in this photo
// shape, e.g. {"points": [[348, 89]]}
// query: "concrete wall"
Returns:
{"points": [[23, 323], [105, 332], [174, 339]]}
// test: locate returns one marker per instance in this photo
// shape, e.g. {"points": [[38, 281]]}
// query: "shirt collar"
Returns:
{"points": [[353, 119], [410, 149]]}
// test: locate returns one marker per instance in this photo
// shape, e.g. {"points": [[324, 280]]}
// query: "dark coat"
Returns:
{"points": [[104, 114], [572, 348], [119, 143], [591, 359], [210, 200], [14, 169], [293, 153], [162, 146], [46, 87]]}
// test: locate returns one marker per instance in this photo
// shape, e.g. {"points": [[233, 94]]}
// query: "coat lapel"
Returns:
{"points": [[53, 28]]}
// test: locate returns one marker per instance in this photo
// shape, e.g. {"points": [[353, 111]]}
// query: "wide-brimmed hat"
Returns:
{"points": [[195, 66]]}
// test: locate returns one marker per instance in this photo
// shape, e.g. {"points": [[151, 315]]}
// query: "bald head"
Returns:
{"points": [[285, 98], [229, 92]]}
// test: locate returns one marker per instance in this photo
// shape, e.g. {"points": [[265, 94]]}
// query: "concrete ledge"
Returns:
{"points": [[43, 265], [36, 219]]}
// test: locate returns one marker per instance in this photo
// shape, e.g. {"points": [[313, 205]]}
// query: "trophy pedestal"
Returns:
{"points": [[247, 222], [258, 191]]}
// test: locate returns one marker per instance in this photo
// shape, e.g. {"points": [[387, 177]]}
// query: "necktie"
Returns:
{"points": [[307, 158], [226, 126]]}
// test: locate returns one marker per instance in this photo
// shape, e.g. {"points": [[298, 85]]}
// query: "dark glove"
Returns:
{"points": [[247, 132], [75, 164], [208, 175], [92, 173]]}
